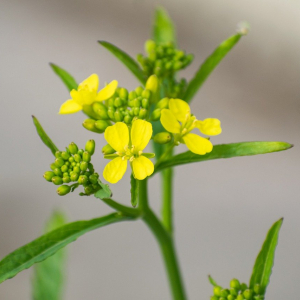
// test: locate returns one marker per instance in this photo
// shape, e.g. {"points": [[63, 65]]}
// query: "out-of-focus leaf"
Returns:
{"points": [[224, 151], [48, 244], [48, 278], [262, 269], [127, 60], [67, 79], [43, 135]]}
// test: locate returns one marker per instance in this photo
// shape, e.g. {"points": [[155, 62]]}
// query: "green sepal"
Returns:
{"points": [[48, 244], [149, 155], [224, 151], [104, 192], [209, 65], [265, 260], [43, 135], [134, 190], [163, 28], [127, 60], [67, 79]]}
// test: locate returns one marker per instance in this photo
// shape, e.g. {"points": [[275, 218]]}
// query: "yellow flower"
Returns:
{"points": [[128, 147], [86, 94], [179, 121]]}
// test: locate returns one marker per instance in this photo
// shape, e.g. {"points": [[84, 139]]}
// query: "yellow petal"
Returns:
{"points": [[169, 121], [117, 136], [91, 83], [70, 107], [141, 132], [197, 144], [209, 126], [107, 91], [142, 167], [115, 170], [180, 109]]}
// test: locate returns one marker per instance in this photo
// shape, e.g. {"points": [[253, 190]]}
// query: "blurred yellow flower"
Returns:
{"points": [[179, 121], [86, 94], [128, 146]]}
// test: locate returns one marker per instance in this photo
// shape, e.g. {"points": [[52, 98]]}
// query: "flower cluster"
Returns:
{"points": [[238, 291], [73, 165]]}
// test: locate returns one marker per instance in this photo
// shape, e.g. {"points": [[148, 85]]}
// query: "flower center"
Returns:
{"points": [[130, 153]]}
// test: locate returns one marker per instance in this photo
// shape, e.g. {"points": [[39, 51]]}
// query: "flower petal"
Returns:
{"points": [[142, 167], [209, 126], [180, 109], [197, 144], [115, 170], [169, 121], [91, 83], [141, 132], [117, 136], [107, 91], [70, 107]]}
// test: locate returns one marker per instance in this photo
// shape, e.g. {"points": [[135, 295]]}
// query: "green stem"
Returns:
{"points": [[167, 207], [122, 208]]}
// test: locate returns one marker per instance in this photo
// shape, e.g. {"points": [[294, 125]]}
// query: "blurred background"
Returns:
{"points": [[223, 208]]}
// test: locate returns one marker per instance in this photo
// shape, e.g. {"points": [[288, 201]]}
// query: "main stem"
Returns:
{"points": [[166, 244]]}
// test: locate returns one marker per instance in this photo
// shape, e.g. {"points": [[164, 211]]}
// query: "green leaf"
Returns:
{"points": [[212, 281], [128, 61], [104, 192], [163, 28], [67, 79], [208, 66], [134, 191], [48, 278], [48, 244], [264, 262], [43, 135], [224, 151]]}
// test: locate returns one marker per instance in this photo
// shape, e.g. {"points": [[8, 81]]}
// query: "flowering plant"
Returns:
{"points": [[156, 112]]}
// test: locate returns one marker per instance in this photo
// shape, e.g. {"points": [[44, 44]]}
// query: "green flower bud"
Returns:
{"points": [[57, 180], [259, 297], [80, 152], [65, 155], [89, 124], [77, 157], [143, 113], [64, 168], [86, 156], [257, 289], [110, 102], [136, 111], [91, 168], [118, 116], [107, 149], [145, 103], [222, 298], [57, 154], [118, 102], [132, 95], [123, 93], [234, 292], [93, 179], [88, 110], [73, 164], [63, 190], [48, 175], [59, 162], [224, 293], [146, 94], [139, 90], [156, 114], [162, 137], [248, 294], [163, 103], [150, 46], [66, 174], [57, 172], [76, 169], [101, 125], [152, 84], [66, 179], [136, 103], [230, 297], [89, 189], [101, 110], [244, 286], [214, 298], [90, 146], [240, 297], [74, 176], [71, 159], [83, 166], [217, 291], [82, 179], [73, 148], [177, 65], [235, 284], [53, 166], [127, 119]]}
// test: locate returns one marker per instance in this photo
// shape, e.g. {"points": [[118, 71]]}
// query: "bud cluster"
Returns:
{"points": [[238, 291], [164, 59], [123, 106], [73, 165]]}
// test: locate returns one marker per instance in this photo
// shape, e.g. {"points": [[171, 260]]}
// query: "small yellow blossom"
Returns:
{"points": [[179, 121], [128, 146], [86, 94]]}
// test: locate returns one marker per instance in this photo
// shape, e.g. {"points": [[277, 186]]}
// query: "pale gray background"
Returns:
{"points": [[223, 208]]}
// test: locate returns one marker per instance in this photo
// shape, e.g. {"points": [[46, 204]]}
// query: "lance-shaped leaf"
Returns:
{"points": [[163, 28], [209, 64], [43, 135], [48, 244], [264, 262], [127, 60], [48, 277], [67, 79], [224, 151]]}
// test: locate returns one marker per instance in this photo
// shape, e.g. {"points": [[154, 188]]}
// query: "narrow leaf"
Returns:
{"points": [[224, 151], [209, 64], [43, 135], [48, 278], [134, 191], [48, 244], [67, 79], [212, 281], [163, 28], [264, 262], [127, 60]]}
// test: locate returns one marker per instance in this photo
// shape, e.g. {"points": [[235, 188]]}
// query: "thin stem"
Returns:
{"points": [[165, 155], [167, 207], [122, 208]]}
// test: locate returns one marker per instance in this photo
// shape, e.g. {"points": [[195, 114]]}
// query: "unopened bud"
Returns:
{"points": [[63, 190], [64, 168], [224, 293], [139, 90], [73, 148], [145, 103], [57, 154], [152, 84], [118, 116], [217, 291], [101, 125], [57, 172], [162, 137], [107, 149], [74, 176], [83, 166], [146, 94], [89, 189], [127, 119], [80, 152], [90, 146], [163, 103], [248, 294], [77, 157], [59, 162], [235, 284], [66, 179], [123, 93], [150, 46], [136, 111], [65, 155], [101, 110], [214, 298], [132, 95], [53, 166], [239, 297], [89, 124], [257, 289], [93, 179], [156, 114], [86, 156], [233, 292], [230, 297], [244, 286], [82, 179], [57, 180], [48, 175], [143, 113], [118, 102]]}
